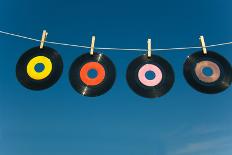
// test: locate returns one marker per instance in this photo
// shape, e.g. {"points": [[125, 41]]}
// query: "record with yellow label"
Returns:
{"points": [[39, 69]]}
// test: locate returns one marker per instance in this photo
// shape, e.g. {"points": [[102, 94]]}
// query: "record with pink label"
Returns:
{"points": [[150, 77]]}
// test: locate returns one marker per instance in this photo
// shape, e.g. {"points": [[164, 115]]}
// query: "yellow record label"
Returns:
{"points": [[39, 60]]}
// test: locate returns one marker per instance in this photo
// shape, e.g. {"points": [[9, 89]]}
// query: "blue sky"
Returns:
{"points": [[59, 121]]}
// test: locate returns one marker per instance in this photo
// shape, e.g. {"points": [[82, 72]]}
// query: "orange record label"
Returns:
{"points": [[92, 66]]}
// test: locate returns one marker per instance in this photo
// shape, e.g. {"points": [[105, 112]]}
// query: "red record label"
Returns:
{"points": [[92, 66]]}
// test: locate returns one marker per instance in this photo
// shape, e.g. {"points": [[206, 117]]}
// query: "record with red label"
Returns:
{"points": [[96, 84], [156, 86], [39, 69], [208, 73]]}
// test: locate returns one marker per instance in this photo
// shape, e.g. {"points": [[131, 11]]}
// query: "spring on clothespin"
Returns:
{"points": [[149, 48], [92, 45], [203, 44], [44, 36]]}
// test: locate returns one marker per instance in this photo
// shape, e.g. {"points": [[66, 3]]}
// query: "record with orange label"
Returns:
{"points": [[208, 73], [92, 75], [154, 86], [39, 69]]}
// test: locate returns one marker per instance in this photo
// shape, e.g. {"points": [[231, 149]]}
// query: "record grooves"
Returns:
{"points": [[88, 86], [221, 76], [34, 80], [150, 88]]}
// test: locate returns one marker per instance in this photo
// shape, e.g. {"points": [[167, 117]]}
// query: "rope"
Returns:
{"points": [[109, 48]]}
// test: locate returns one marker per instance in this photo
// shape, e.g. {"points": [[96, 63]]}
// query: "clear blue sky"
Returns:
{"points": [[59, 121]]}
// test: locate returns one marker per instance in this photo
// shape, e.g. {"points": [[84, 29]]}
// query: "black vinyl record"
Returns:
{"points": [[89, 86], [218, 81], [156, 87], [29, 77]]}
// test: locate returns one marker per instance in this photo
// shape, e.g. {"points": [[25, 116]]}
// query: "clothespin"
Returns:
{"points": [[203, 44], [92, 45], [44, 36], [149, 48]]}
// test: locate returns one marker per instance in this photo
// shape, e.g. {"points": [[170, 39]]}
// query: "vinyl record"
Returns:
{"points": [[86, 85], [159, 85], [217, 80], [51, 70]]}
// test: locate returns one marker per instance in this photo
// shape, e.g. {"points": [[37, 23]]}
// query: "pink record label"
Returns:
{"points": [[146, 68]]}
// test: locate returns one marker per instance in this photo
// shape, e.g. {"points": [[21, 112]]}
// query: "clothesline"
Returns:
{"points": [[110, 48]]}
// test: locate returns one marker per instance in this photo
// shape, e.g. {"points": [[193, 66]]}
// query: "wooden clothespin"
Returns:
{"points": [[92, 45], [203, 44], [149, 48], [44, 36]]}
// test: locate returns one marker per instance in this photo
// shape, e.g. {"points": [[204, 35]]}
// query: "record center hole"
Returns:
{"points": [[150, 75], [39, 67], [92, 73], [207, 71]]}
